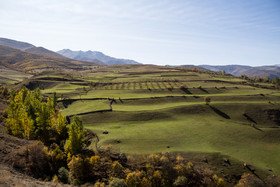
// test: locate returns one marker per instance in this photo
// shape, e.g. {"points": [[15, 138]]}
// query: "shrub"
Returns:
{"points": [[56, 157], [116, 182], [80, 169], [33, 160], [55, 179], [157, 179], [145, 182], [134, 178], [179, 159], [181, 181], [117, 170], [63, 175], [182, 86], [95, 161], [154, 159], [4, 91], [250, 180], [218, 181], [207, 100], [169, 87], [99, 184]]}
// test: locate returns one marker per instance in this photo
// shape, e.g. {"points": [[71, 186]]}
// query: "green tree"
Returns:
{"points": [[54, 100], [76, 135], [61, 124]]}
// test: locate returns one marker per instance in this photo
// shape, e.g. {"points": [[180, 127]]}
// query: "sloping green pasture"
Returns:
{"points": [[160, 107]]}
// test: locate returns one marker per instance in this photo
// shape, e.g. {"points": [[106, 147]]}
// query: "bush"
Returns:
{"points": [[207, 100], [157, 179], [95, 162], [154, 159], [80, 169], [116, 182], [169, 87], [55, 179], [117, 170], [63, 175], [145, 182], [250, 180], [99, 184], [56, 158], [134, 178], [181, 181], [33, 160]]}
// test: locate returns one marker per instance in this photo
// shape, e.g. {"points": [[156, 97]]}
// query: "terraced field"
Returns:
{"points": [[148, 109]]}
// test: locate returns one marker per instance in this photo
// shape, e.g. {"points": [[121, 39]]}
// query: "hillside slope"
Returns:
{"points": [[18, 60], [27, 47], [238, 70], [94, 56]]}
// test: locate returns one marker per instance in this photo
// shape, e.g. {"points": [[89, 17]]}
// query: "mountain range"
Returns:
{"points": [[94, 56], [238, 70], [26, 57]]}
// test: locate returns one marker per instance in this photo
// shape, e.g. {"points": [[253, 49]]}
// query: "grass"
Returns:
{"points": [[86, 106], [147, 117], [200, 130]]}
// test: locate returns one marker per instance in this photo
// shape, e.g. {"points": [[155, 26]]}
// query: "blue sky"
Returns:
{"points": [[175, 32]]}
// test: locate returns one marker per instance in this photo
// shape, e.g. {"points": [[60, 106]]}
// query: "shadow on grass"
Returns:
{"points": [[257, 128], [224, 115], [202, 89], [186, 90], [249, 118]]}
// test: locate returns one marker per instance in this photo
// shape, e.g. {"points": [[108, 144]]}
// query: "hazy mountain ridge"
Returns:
{"points": [[27, 47], [238, 70], [95, 56]]}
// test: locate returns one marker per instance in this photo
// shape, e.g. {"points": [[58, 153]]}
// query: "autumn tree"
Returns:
{"points": [[74, 143], [207, 100], [30, 117]]}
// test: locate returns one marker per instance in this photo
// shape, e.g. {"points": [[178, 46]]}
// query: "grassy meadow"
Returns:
{"points": [[157, 109]]}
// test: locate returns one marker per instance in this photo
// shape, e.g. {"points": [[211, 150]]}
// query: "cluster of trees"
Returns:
{"points": [[266, 79], [164, 169], [32, 117]]}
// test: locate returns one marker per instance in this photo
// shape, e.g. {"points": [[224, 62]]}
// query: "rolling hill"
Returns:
{"points": [[27, 47], [22, 61], [238, 70], [94, 56]]}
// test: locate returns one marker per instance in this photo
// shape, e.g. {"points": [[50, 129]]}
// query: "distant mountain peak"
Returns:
{"points": [[94, 56]]}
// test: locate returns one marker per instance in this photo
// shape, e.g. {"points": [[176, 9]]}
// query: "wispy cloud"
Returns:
{"points": [[181, 29]]}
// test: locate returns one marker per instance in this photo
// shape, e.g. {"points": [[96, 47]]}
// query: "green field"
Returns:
{"points": [[156, 107]]}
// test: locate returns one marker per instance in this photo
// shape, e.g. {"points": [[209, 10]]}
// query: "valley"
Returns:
{"points": [[156, 109]]}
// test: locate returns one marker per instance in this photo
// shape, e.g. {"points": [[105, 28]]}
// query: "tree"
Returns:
{"points": [[54, 100], [61, 124], [134, 178], [266, 79], [276, 82], [79, 167], [76, 135], [207, 100]]}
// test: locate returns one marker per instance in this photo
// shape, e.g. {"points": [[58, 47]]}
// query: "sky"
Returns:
{"points": [[162, 32]]}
